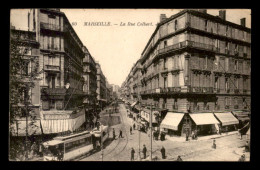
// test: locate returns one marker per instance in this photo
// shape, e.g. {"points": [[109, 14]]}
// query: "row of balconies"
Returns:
{"points": [[202, 90], [49, 26]]}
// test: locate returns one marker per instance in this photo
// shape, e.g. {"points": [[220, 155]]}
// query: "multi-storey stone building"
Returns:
{"points": [[196, 62], [90, 83], [101, 87]]}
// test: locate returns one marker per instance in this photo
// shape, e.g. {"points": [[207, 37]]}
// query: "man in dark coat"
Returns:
{"points": [[144, 151], [130, 130], [120, 134], [134, 126], [114, 134], [132, 154], [163, 152], [214, 145]]}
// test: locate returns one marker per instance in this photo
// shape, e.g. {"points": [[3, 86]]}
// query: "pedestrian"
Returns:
{"points": [[33, 149], [114, 134], [247, 147], [179, 158], [242, 158], [120, 134], [187, 135], [134, 126], [163, 152], [40, 150], [214, 145], [130, 130], [144, 151], [132, 154]]}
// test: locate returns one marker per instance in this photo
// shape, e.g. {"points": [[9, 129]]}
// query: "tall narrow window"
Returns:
{"points": [[206, 25], [236, 83], [165, 44], [216, 84], [164, 63], [176, 25], [236, 65], [165, 82], [226, 101], [226, 84]]}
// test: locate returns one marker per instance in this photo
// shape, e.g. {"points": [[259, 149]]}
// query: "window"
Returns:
{"points": [[236, 82], [206, 62], [175, 105], [205, 105], [235, 101], [226, 84], [176, 25], [165, 44], [195, 105], [51, 81], [165, 82], [236, 65], [25, 68], [206, 25], [226, 64], [165, 63], [216, 84], [52, 104], [226, 101]]}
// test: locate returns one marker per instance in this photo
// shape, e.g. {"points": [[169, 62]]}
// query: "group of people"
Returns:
{"points": [[145, 151], [120, 134]]}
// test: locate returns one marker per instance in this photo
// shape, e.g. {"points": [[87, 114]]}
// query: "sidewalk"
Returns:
{"points": [[183, 139]]}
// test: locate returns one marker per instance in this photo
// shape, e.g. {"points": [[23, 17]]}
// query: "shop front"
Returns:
{"points": [[228, 122], [171, 123], [204, 123], [242, 116]]}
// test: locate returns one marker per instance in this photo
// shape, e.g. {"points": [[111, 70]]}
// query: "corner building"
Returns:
{"points": [[197, 62]]}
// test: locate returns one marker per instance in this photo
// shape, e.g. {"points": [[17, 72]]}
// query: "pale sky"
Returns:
{"points": [[117, 47]]}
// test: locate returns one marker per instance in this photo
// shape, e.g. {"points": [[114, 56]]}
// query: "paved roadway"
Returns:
{"points": [[229, 148]]}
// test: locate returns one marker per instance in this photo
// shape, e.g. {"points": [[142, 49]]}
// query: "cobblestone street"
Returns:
{"points": [[229, 147]]}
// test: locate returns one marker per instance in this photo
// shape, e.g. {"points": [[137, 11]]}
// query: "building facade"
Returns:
{"points": [[101, 87], [195, 62], [90, 81]]}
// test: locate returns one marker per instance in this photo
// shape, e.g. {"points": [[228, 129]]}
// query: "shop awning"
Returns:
{"points": [[132, 105], [204, 118], [226, 118], [242, 115], [172, 120]]}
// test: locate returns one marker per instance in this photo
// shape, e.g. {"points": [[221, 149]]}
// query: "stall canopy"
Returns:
{"points": [[172, 120], [204, 118], [226, 118]]}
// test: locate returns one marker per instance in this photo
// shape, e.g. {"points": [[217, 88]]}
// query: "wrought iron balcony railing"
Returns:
{"points": [[52, 68]]}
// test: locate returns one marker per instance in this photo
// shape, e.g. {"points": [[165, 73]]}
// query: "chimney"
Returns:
{"points": [[222, 14], [243, 22], [162, 17], [203, 11]]}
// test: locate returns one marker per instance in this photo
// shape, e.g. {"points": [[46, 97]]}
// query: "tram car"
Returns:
{"points": [[100, 135], [64, 148]]}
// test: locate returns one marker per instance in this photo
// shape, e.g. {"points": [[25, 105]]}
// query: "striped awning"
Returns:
{"points": [[172, 120], [226, 118], [204, 118]]}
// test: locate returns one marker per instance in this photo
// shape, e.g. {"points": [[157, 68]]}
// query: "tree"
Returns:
{"points": [[23, 72]]}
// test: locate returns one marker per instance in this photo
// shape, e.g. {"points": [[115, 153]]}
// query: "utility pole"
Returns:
{"points": [[101, 142], [151, 132]]}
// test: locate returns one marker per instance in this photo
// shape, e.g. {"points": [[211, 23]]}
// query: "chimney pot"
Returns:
{"points": [[162, 17], [243, 22], [222, 14]]}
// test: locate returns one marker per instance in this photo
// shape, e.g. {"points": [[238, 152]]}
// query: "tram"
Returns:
{"points": [[64, 148]]}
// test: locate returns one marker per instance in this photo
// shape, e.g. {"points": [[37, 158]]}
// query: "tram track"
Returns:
{"points": [[117, 154]]}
